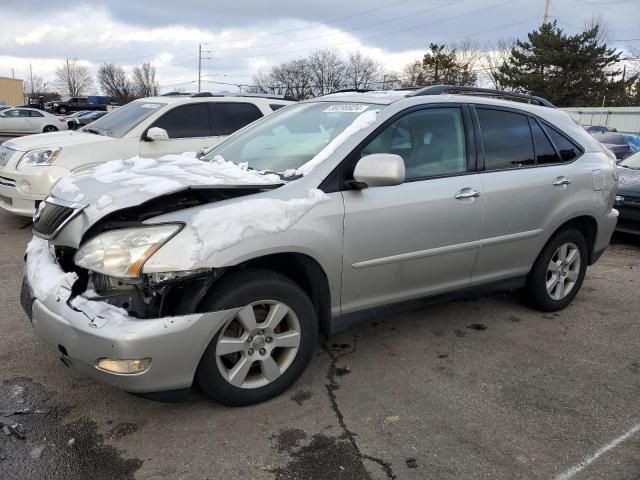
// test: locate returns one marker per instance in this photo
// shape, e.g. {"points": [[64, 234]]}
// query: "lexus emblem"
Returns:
{"points": [[619, 199]]}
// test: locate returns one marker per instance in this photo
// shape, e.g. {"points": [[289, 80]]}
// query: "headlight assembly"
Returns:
{"points": [[39, 157], [122, 253]]}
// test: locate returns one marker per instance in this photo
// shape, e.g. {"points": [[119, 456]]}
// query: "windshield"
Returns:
{"points": [[291, 137], [631, 162], [121, 120]]}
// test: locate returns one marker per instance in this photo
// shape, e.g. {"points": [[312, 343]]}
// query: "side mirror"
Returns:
{"points": [[380, 170], [156, 133]]}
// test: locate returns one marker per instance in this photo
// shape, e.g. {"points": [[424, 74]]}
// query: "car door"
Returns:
{"points": [[37, 121], [20, 121], [527, 184], [419, 238], [228, 117], [188, 128]]}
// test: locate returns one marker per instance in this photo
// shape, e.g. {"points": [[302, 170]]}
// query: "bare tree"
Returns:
{"points": [[327, 71], [493, 58], [468, 55], [413, 75], [295, 78], [144, 79], [36, 86], [362, 71], [115, 83], [73, 78], [265, 83]]}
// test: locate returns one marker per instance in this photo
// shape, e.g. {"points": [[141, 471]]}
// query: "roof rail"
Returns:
{"points": [[486, 92], [353, 90], [248, 95]]}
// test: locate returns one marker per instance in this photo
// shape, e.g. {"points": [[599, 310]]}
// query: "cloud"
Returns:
{"points": [[247, 36]]}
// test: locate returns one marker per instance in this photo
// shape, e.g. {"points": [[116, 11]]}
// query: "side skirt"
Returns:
{"points": [[347, 320]]}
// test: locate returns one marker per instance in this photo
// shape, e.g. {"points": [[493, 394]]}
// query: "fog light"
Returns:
{"points": [[24, 186], [123, 366]]}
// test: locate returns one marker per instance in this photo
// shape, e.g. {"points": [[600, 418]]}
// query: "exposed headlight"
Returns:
{"points": [[40, 157], [122, 253]]}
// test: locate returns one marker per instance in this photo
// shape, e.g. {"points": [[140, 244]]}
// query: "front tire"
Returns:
{"points": [[558, 273], [266, 346]]}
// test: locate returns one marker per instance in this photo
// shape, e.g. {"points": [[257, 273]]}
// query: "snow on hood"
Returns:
{"points": [[217, 228], [56, 139], [140, 179], [361, 122]]}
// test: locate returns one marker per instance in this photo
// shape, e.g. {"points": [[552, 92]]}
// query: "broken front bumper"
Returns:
{"points": [[174, 344]]}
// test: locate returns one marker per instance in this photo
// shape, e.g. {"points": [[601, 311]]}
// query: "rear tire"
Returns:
{"points": [[558, 272], [270, 341], [49, 129]]}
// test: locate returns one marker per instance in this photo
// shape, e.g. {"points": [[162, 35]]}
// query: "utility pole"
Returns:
{"points": [[199, 66], [13, 73], [31, 75], [546, 11]]}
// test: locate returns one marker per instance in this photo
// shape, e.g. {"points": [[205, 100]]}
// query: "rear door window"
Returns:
{"points": [[226, 118], [186, 121], [506, 137], [35, 114]]}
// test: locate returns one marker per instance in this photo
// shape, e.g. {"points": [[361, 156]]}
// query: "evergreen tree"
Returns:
{"points": [[568, 70], [441, 65]]}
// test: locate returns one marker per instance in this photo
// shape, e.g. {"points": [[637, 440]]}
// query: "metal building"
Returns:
{"points": [[624, 119], [11, 91]]}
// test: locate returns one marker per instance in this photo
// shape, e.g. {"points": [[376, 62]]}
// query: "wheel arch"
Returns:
{"points": [[300, 268], [587, 225]]}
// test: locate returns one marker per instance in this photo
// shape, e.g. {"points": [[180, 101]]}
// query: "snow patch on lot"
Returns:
{"points": [[361, 122], [155, 176], [45, 276], [218, 228]]}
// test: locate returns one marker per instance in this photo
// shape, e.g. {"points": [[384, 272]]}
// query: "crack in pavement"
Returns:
{"points": [[332, 386]]}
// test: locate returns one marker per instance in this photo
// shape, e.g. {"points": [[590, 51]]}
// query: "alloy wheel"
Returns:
{"points": [[259, 344], [563, 271]]}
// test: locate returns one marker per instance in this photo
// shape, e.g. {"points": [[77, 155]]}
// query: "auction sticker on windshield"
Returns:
{"points": [[347, 107], [150, 105]]}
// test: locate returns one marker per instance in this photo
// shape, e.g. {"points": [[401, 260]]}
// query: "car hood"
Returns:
{"points": [[628, 181], [159, 185], [56, 139]]}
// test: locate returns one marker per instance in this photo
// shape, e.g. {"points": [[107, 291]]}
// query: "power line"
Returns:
{"points": [[369, 37], [336, 19], [389, 20]]}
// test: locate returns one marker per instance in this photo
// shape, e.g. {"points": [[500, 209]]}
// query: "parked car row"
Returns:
{"points": [[149, 127], [21, 121], [152, 272]]}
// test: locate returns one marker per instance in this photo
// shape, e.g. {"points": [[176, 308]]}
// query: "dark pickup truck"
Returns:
{"points": [[75, 104]]}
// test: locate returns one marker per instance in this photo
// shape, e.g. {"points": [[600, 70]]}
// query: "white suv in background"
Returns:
{"points": [[149, 127]]}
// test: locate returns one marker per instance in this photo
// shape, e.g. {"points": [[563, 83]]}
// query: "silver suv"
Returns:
{"points": [[153, 274]]}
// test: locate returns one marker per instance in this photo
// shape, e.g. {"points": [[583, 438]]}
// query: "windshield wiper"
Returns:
{"points": [[92, 130]]}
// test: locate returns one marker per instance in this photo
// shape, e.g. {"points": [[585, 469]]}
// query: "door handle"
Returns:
{"points": [[467, 193], [560, 181]]}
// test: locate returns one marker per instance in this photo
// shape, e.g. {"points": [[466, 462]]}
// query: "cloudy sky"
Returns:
{"points": [[244, 37]]}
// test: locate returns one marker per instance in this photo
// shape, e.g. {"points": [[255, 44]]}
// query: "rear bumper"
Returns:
{"points": [[174, 344], [606, 227]]}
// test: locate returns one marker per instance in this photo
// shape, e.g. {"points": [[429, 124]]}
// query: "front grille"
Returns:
{"points": [[7, 182], [52, 215]]}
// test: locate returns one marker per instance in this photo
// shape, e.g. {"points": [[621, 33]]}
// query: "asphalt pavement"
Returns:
{"points": [[480, 388]]}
